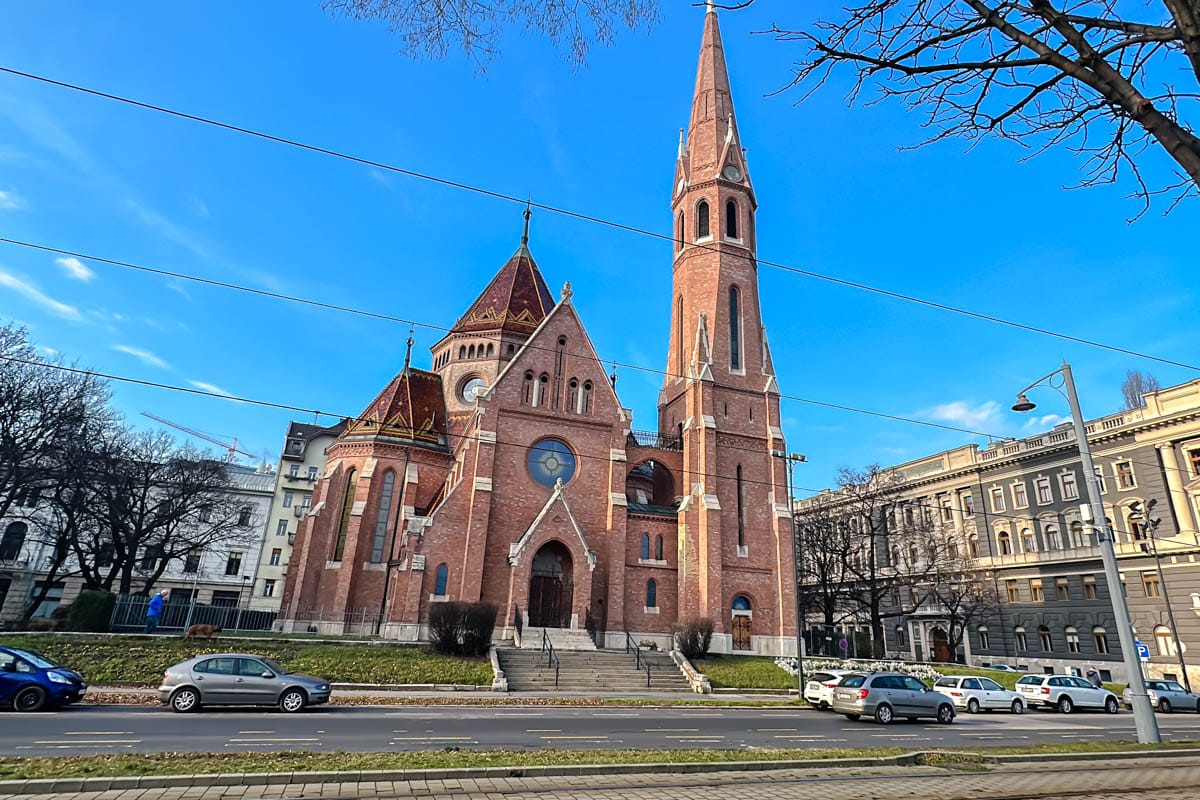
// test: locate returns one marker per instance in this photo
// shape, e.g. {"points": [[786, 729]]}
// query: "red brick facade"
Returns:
{"points": [[510, 473]]}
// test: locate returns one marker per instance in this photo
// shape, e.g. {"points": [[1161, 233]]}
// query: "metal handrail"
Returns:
{"points": [[642, 664], [518, 622], [552, 659]]}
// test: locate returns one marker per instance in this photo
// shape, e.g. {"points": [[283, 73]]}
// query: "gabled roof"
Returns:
{"points": [[411, 407], [517, 299]]}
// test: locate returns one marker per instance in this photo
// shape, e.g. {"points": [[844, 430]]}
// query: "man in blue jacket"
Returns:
{"points": [[154, 610]]}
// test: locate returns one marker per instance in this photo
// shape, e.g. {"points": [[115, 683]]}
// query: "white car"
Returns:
{"points": [[1166, 696], [1002, 668], [1065, 693], [818, 690], [977, 694]]}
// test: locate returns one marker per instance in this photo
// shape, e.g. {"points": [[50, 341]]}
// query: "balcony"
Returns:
{"points": [[657, 440], [13, 563], [302, 478]]}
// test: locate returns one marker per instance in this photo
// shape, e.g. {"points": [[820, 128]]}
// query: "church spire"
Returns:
{"points": [[713, 142]]}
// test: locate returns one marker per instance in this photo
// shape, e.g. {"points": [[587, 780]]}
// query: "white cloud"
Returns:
{"points": [[48, 352], [961, 413], [11, 201], [145, 356], [32, 293], [75, 269], [1044, 422], [208, 387]]}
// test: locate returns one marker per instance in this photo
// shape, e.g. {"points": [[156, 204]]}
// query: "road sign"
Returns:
{"points": [[1143, 650], [844, 645]]}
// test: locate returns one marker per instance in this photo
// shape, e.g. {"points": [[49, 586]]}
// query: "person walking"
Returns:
{"points": [[154, 610], [1094, 678]]}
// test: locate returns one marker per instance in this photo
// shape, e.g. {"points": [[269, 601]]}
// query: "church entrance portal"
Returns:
{"points": [[550, 587]]}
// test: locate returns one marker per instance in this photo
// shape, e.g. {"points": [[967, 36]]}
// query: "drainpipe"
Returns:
{"points": [[391, 552]]}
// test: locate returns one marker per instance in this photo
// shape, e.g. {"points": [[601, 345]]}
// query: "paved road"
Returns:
{"points": [[91, 729]]}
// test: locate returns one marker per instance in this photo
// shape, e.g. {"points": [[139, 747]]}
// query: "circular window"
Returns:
{"points": [[466, 392], [551, 460]]}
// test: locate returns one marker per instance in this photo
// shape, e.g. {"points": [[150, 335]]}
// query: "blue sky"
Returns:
{"points": [[983, 229]]}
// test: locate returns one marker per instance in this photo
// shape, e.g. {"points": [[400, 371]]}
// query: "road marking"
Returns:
{"points": [[777, 730], [799, 736], [74, 747], [616, 714], [78, 742], [248, 733], [432, 738], [521, 714], [672, 730], [896, 735], [583, 738], [236, 741], [692, 737], [807, 739], [98, 733], [543, 730]]}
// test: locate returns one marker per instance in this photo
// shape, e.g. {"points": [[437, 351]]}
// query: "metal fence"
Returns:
{"points": [[129, 614], [319, 619]]}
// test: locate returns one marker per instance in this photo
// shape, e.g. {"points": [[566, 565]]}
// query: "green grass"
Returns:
{"points": [[130, 764], [141, 660], [744, 672]]}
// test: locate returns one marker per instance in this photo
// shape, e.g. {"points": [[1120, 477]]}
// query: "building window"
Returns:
{"points": [[233, 564], [268, 587], [1089, 587], [191, 563], [551, 461], [1019, 640], [1164, 642], [1028, 540], [440, 579], [1070, 489], [13, 541], [312, 473], [1014, 591], [1125, 475], [702, 220], [281, 527], [1044, 493], [735, 328], [682, 232], [645, 547], [651, 594], [741, 510], [973, 545], [731, 220], [984, 643], [276, 556], [1151, 585], [1052, 540], [1004, 540], [1101, 640], [339, 547], [1020, 497], [901, 636], [1194, 460], [244, 516], [294, 471], [541, 390], [288, 499], [150, 558], [1077, 534], [658, 548], [968, 505], [947, 508], [382, 517], [1072, 637], [997, 493], [1046, 642], [527, 390], [585, 398], [681, 337], [51, 600], [1035, 590], [1062, 589], [1100, 480]]}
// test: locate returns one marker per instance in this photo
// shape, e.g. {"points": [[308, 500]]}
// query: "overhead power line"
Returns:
{"points": [[844, 282]]}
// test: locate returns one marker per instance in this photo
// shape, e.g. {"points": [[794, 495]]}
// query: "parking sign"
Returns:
{"points": [[1143, 650]]}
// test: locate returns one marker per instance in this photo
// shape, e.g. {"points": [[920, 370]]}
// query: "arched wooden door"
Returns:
{"points": [[550, 587]]}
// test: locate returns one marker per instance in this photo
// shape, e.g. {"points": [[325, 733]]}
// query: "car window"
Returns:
{"points": [[1172, 686], [7, 662], [913, 684], [217, 666], [1030, 680], [950, 682], [990, 685], [972, 683], [883, 682], [853, 681], [1083, 683], [275, 667], [821, 677], [36, 659], [252, 667]]}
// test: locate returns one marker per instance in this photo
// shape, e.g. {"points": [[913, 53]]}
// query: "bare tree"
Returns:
{"points": [[1137, 384], [824, 548], [1103, 78], [432, 28]]}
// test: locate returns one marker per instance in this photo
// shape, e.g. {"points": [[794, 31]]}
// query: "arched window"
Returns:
{"points": [[339, 548], [735, 328], [512, 348], [645, 547], [542, 390], [973, 545], [1052, 540], [741, 510], [1046, 641], [585, 398], [491, 349], [13, 541], [741, 603], [1100, 639], [682, 360], [1076, 534], [702, 220], [1019, 639], [528, 392], [1164, 642], [682, 233], [439, 581], [1072, 637], [982, 633], [381, 520], [658, 548], [573, 395], [1028, 540], [651, 594], [462, 351], [1005, 543], [731, 220]]}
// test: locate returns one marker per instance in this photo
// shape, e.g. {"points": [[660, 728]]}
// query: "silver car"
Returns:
{"points": [[887, 695], [1166, 696], [235, 679]]}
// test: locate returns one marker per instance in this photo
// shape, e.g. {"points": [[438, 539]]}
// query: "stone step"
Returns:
{"points": [[590, 671]]}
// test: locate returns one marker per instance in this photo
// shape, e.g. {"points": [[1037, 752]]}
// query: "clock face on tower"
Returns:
{"points": [[732, 173]]}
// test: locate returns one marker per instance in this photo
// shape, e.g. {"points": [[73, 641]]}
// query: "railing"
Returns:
{"points": [[551, 656], [129, 615], [657, 439], [632, 647]]}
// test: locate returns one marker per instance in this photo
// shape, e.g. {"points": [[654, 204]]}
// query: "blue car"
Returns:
{"points": [[29, 682]]}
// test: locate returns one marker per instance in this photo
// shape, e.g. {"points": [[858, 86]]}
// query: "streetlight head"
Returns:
{"points": [[1023, 404]]}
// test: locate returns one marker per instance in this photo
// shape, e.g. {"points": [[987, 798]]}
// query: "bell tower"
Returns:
{"points": [[720, 395]]}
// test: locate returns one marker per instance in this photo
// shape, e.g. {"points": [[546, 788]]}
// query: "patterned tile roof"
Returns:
{"points": [[516, 300], [411, 407]]}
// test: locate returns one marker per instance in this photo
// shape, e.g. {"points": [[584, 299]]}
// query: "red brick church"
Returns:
{"points": [[511, 473]]}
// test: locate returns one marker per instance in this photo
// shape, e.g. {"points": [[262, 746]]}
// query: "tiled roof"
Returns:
{"points": [[410, 407], [516, 300]]}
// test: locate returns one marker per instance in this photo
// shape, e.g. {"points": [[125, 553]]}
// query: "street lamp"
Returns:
{"points": [[793, 459], [1142, 514], [1093, 510]]}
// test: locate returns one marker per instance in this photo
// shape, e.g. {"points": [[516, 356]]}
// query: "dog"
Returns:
{"points": [[207, 631]]}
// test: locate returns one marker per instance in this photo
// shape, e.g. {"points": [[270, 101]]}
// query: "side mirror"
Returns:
{"points": [[268, 675], [9, 666]]}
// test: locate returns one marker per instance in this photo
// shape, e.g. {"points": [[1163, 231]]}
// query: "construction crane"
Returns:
{"points": [[231, 450]]}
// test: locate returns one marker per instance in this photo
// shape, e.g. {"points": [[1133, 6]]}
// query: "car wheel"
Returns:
{"points": [[1111, 706], [1164, 706], [945, 713], [185, 701], [853, 717], [972, 706], [1017, 707], [884, 714], [292, 701], [822, 706], [1065, 705], [31, 698]]}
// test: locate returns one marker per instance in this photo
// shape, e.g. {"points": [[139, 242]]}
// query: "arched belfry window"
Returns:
{"points": [[702, 229], [585, 398], [339, 548], [682, 360], [440, 578], [731, 220], [382, 517], [471, 351], [658, 548], [645, 547], [735, 328], [682, 232], [741, 509], [651, 593], [527, 392]]}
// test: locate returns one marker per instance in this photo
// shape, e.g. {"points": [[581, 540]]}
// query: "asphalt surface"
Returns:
{"points": [[105, 729]]}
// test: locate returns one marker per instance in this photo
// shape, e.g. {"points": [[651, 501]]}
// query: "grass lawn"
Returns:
{"points": [[120, 765], [143, 659]]}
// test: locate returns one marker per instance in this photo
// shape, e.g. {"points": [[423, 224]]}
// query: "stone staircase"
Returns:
{"points": [[589, 671], [562, 639]]}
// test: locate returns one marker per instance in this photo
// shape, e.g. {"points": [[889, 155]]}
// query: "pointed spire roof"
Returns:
{"points": [[712, 141], [516, 300], [412, 406]]}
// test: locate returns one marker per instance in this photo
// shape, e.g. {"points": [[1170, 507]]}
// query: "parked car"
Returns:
{"points": [[1002, 668], [236, 679], [818, 691], [887, 695], [978, 694], [1065, 692], [31, 682], [1166, 696]]}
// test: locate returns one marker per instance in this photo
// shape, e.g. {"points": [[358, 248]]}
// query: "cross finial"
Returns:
{"points": [[527, 214], [712, 9], [408, 352]]}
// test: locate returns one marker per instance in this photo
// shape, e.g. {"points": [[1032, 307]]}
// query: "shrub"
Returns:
{"points": [[38, 625], [694, 635], [458, 628], [91, 611], [445, 626], [58, 617], [478, 623]]}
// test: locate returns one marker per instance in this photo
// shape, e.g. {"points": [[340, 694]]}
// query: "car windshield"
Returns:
{"points": [[1030, 679], [275, 666], [853, 681], [947, 682], [1172, 686], [35, 659]]}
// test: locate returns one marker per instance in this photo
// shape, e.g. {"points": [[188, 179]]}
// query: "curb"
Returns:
{"points": [[915, 758]]}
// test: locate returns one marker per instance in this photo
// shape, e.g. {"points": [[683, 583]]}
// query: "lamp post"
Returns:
{"points": [[793, 459], [1151, 524], [1093, 510]]}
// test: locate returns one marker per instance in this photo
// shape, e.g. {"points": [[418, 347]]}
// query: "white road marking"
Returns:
{"points": [[74, 742], [579, 738], [271, 740], [98, 733]]}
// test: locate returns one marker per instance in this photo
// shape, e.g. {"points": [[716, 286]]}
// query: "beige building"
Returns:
{"points": [[302, 462]]}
